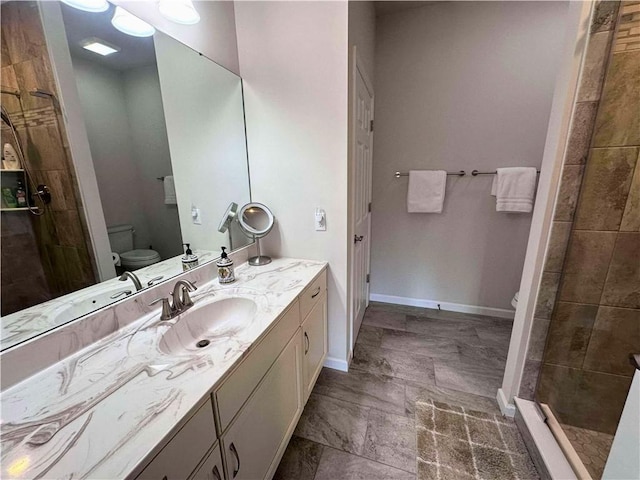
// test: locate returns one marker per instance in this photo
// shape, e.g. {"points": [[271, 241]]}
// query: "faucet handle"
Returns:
{"points": [[186, 298], [154, 280], [190, 286], [167, 311]]}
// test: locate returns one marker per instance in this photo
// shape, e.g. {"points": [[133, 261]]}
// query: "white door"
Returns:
{"points": [[361, 196]]}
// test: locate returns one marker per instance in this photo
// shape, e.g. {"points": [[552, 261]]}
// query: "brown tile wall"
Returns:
{"points": [[588, 309], [47, 256]]}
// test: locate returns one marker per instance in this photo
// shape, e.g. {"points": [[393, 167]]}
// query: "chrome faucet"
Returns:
{"points": [[181, 300], [133, 277]]}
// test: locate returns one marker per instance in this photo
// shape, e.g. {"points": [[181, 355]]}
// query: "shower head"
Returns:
{"points": [[38, 92]]}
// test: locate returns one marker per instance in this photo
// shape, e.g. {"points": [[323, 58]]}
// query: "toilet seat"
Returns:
{"points": [[139, 258]]}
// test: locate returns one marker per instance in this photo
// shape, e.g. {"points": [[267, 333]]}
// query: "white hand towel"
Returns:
{"points": [[514, 189], [426, 191], [169, 191]]}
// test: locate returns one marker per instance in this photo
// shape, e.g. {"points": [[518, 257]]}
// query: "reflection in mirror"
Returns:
{"points": [[256, 221], [166, 155]]}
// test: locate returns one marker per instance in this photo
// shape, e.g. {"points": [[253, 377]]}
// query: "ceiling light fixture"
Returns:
{"points": [[130, 24], [99, 46], [179, 11], [94, 6]]}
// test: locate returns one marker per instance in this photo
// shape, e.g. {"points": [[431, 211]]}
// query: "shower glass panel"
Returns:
{"points": [[595, 324]]}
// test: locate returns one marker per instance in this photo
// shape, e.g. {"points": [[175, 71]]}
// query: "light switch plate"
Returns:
{"points": [[320, 220], [195, 216]]}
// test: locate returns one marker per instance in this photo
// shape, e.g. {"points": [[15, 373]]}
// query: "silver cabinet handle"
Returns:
{"points": [[317, 293], [216, 472], [306, 338], [232, 447]]}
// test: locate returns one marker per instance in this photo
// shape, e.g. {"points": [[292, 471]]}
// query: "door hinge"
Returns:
{"points": [[369, 207], [371, 126], [368, 277]]}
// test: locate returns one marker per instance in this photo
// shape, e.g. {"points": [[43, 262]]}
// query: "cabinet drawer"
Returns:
{"points": [[185, 450], [238, 387], [310, 296], [255, 440], [211, 468]]}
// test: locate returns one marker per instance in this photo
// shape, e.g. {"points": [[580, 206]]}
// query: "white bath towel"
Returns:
{"points": [[514, 189], [426, 191], [169, 191]]}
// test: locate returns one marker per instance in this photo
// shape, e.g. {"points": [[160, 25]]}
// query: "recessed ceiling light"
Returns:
{"points": [[179, 11], [99, 46], [130, 24], [94, 6]]}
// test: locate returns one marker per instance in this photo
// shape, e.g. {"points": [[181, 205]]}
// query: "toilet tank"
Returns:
{"points": [[121, 238]]}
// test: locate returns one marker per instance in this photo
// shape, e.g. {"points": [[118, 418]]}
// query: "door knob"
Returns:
{"points": [[358, 238]]}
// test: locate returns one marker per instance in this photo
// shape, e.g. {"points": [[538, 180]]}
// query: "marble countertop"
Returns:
{"points": [[103, 411], [25, 324]]}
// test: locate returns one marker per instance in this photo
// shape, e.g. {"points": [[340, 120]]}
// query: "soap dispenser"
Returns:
{"points": [[225, 268], [189, 260]]}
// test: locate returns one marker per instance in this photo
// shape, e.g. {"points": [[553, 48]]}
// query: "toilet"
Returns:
{"points": [[121, 240]]}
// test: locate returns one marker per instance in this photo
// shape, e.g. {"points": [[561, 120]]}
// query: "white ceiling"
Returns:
{"points": [[79, 25]]}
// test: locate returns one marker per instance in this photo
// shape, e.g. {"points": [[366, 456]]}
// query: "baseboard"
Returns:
{"points": [[545, 451], [507, 409], [452, 307], [336, 364]]}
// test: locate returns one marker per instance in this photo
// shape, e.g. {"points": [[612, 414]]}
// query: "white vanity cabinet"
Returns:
{"points": [[257, 405]]}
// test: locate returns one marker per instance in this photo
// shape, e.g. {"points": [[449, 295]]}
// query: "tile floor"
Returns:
{"points": [[361, 424], [592, 447]]}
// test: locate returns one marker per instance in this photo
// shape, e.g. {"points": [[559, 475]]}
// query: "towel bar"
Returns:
{"points": [[461, 173], [475, 173]]}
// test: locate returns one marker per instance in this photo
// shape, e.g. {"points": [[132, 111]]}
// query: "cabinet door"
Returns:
{"points": [[185, 450], [211, 468], [255, 441], [314, 344], [236, 389]]}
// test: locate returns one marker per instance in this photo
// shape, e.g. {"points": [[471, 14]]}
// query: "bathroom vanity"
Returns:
{"points": [[146, 402]]}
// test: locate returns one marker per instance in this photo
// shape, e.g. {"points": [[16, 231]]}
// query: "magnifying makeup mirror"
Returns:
{"points": [[256, 221]]}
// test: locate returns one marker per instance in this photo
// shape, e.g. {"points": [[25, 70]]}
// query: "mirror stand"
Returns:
{"points": [[260, 259]]}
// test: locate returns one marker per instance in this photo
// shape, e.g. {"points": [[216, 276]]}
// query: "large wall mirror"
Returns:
{"points": [[140, 142]]}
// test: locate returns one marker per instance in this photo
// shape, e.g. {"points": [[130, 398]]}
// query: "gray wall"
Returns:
{"points": [[362, 34], [151, 154], [125, 126], [459, 85]]}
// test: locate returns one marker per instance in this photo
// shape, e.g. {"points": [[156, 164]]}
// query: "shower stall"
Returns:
{"points": [[588, 310], [45, 249]]}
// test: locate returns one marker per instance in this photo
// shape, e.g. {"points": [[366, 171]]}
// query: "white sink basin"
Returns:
{"points": [[206, 325]]}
